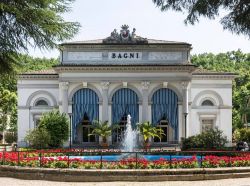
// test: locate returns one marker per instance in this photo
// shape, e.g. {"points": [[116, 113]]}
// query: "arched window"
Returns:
{"points": [[42, 103], [124, 102], [207, 103]]}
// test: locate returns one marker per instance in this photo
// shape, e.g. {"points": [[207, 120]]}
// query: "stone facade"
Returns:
{"points": [[204, 98]]}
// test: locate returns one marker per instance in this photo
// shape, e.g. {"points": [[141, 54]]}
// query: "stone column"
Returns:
{"points": [[185, 106], [145, 87], [105, 88], [64, 96]]}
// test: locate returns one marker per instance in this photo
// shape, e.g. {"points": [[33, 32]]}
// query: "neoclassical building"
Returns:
{"points": [[152, 80]]}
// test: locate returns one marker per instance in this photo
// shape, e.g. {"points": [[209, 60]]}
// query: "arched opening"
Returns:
{"points": [[124, 102], [85, 109], [41, 103], [165, 114], [207, 102]]}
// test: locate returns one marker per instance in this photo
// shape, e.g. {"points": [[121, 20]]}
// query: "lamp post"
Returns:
{"points": [[185, 123], [70, 130]]}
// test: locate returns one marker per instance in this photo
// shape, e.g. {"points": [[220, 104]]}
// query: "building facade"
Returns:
{"points": [[152, 80]]}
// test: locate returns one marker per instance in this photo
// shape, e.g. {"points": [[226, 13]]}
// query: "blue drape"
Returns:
{"points": [[124, 102], [165, 104], [84, 101]]}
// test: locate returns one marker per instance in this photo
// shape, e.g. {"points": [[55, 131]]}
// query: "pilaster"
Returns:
{"points": [[145, 86]]}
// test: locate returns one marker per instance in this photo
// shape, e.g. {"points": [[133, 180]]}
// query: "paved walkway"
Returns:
{"points": [[226, 182]]}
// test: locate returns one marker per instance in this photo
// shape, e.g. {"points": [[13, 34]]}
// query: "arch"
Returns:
{"points": [[124, 102], [138, 93], [41, 102], [207, 102], [211, 95], [85, 102], [44, 95], [171, 87], [165, 105], [79, 87]]}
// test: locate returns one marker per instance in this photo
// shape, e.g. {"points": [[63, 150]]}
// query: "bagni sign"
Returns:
{"points": [[125, 55]]}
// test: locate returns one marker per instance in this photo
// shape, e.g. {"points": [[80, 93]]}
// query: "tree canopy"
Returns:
{"points": [[237, 19], [35, 23]]}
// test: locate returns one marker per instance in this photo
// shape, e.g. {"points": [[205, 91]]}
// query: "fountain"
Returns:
{"points": [[130, 137]]}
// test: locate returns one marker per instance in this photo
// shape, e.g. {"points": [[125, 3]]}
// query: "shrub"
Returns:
{"points": [[57, 125], [211, 139], [38, 138], [10, 137], [242, 135]]}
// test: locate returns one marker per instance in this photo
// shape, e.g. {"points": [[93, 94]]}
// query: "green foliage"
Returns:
{"points": [[242, 134], [38, 138], [148, 131], [32, 23], [102, 129], [57, 125], [8, 101], [10, 137], [236, 20], [8, 85], [211, 139]]}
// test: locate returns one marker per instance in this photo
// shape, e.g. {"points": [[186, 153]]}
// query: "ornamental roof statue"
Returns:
{"points": [[125, 37]]}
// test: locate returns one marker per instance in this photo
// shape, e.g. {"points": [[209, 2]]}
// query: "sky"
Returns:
{"points": [[98, 18]]}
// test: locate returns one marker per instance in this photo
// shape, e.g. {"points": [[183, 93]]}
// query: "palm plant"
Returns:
{"points": [[102, 129], [149, 131]]}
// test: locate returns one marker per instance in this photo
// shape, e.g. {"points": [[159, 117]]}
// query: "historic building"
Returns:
{"points": [[152, 80]]}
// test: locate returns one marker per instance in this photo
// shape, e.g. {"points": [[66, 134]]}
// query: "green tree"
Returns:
{"points": [[8, 101], [148, 131], [102, 129], [38, 138], [237, 19], [31, 23], [57, 125]]}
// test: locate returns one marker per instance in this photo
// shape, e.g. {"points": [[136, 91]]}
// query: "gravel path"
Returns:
{"points": [[227, 182]]}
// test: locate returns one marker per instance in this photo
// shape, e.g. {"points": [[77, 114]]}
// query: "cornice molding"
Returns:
{"points": [[150, 47], [181, 68], [213, 76], [38, 76]]}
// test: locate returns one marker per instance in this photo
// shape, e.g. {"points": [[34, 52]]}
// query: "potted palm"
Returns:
{"points": [[103, 130], [149, 131]]}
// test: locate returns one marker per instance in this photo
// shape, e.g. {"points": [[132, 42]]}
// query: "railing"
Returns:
{"points": [[80, 158]]}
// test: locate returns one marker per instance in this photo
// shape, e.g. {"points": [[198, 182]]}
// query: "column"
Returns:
{"points": [[105, 88], [64, 96], [185, 106], [145, 87]]}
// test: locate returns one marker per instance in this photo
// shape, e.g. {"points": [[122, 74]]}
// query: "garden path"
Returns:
{"points": [[226, 182]]}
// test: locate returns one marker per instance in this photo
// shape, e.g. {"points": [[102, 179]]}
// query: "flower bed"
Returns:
{"points": [[60, 158]]}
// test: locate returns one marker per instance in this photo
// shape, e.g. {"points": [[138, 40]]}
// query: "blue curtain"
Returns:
{"points": [[84, 101], [124, 102], [165, 105]]}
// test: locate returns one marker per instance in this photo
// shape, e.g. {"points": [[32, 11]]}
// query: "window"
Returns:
{"points": [[86, 130], [119, 132], [207, 103], [41, 103], [163, 124], [207, 124]]}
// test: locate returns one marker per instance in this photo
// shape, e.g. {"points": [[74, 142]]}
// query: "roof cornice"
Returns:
{"points": [[126, 68]]}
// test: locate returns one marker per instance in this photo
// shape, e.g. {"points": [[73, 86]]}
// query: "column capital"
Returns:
{"points": [[64, 85], [145, 85], [185, 84], [105, 85]]}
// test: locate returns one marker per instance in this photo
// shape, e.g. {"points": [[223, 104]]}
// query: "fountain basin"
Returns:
{"points": [[120, 157]]}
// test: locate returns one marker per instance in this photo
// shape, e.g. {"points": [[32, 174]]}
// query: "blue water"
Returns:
{"points": [[119, 157]]}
